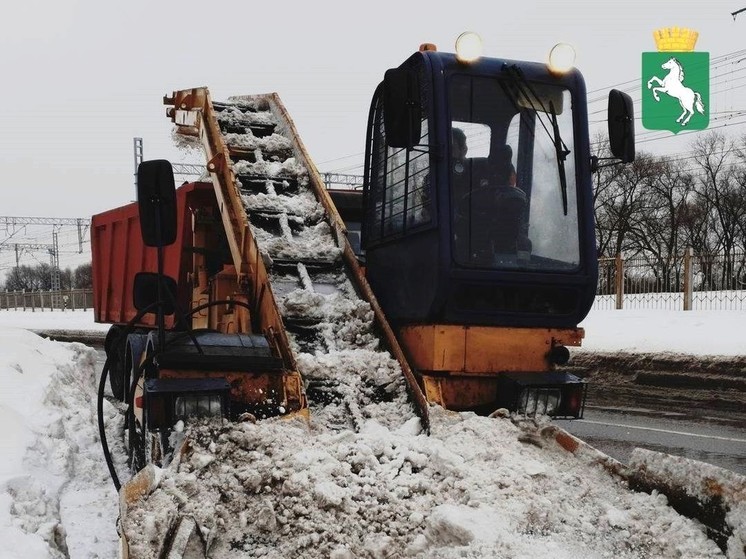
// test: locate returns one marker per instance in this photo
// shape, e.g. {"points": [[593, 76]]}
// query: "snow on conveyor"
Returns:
{"points": [[348, 375]]}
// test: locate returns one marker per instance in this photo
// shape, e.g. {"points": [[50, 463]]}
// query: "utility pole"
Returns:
{"points": [[138, 157], [54, 257]]}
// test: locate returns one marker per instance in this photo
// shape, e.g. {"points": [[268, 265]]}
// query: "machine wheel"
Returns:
{"points": [[133, 352], [114, 345]]}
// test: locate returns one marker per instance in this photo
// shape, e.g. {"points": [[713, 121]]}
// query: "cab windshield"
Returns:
{"points": [[513, 189]]}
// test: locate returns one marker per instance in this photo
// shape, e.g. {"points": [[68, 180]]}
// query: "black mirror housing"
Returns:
{"points": [[621, 119], [156, 197], [145, 292], [402, 108]]}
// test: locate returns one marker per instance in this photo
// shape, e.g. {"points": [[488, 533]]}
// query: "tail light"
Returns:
{"points": [[573, 400]]}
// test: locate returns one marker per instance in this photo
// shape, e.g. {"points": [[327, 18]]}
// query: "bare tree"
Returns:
{"points": [[619, 203], [605, 185], [83, 277], [719, 190], [657, 231], [39, 277], [739, 178], [29, 278]]}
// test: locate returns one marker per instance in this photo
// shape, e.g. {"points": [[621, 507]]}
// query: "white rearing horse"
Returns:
{"points": [[673, 85]]}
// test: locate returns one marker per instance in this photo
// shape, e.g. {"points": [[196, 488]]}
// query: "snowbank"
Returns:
{"points": [[477, 487], [56, 499], [657, 330]]}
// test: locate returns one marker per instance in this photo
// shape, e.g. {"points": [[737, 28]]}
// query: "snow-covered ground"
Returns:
{"points": [[660, 330], [472, 489]]}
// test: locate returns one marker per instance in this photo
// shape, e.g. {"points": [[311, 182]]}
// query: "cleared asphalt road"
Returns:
{"points": [[617, 433]]}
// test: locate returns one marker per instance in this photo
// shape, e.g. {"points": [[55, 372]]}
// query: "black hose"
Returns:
{"points": [[102, 429], [130, 395]]}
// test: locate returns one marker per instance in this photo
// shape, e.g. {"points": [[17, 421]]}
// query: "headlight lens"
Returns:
{"points": [[561, 58], [468, 47]]}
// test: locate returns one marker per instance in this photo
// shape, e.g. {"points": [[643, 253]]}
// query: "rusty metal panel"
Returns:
{"points": [[458, 392], [432, 390], [493, 350], [484, 350], [435, 347]]}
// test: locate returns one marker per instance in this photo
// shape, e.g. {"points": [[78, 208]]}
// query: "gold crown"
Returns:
{"points": [[676, 39]]}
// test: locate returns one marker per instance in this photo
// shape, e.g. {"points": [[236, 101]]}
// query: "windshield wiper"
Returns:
{"points": [[561, 151]]}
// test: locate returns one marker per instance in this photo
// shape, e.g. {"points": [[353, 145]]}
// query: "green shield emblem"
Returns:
{"points": [[675, 90]]}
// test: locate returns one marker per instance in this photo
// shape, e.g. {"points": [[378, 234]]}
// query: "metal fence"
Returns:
{"points": [[68, 299], [687, 282]]}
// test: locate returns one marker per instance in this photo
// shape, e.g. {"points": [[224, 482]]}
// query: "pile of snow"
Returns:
{"points": [[56, 498], [477, 487]]}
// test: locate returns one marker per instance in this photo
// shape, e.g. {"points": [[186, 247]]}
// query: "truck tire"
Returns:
{"points": [[132, 356], [114, 345]]}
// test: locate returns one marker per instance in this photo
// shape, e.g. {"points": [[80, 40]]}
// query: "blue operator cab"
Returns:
{"points": [[478, 205]]}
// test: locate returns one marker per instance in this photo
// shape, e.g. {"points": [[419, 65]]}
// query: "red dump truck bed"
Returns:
{"points": [[119, 253]]}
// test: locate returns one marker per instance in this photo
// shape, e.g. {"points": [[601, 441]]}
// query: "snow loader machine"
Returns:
{"points": [[475, 267]]}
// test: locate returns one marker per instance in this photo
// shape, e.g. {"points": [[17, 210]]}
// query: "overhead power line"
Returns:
{"points": [[82, 223], [8, 221]]}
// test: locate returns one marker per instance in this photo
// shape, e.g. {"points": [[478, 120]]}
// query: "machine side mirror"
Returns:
{"points": [[621, 118], [156, 198], [145, 291], [402, 110]]}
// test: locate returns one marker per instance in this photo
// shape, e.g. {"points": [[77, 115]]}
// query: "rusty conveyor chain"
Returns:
{"points": [[312, 273], [282, 204]]}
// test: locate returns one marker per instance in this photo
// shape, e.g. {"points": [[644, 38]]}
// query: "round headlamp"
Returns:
{"points": [[468, 47], [561, 58]]}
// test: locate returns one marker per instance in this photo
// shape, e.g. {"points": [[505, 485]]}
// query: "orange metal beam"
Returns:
{"points": [[484, 350]]}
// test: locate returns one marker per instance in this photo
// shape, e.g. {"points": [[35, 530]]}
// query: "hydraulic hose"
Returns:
{"points": [[101, 427], [100, 403]]}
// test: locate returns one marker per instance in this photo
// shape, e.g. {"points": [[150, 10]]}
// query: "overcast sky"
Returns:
{"points": [[82, 78]]}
